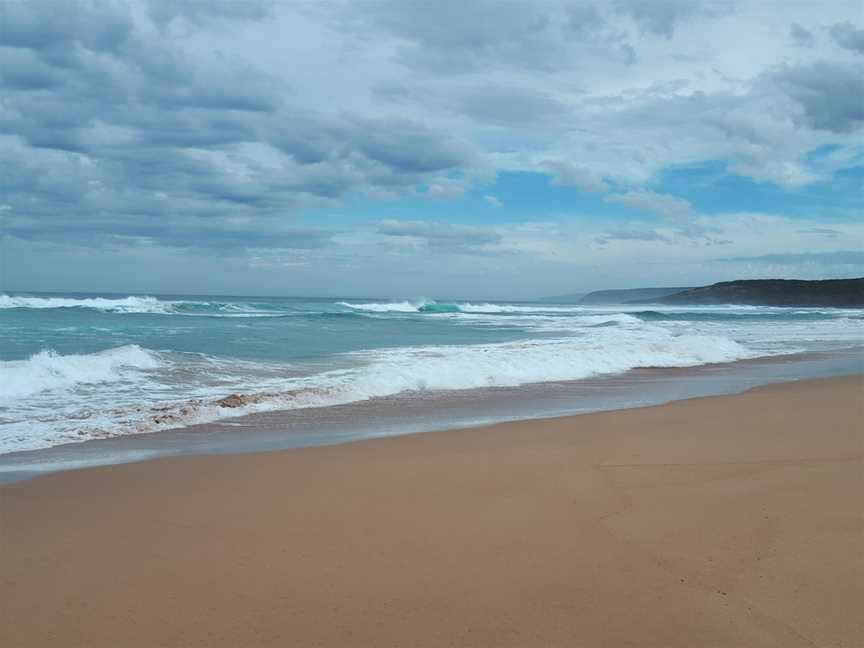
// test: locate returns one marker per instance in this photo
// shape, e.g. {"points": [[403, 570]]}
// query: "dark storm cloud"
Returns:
{"points": [[55, 26], [23, 70], [192, 235], [663, 17], [184, 121], [440, 234], [508, 105], [185, 225], [829, 94], [587, 25], [452, 36], [102, 123], [109, 76], [405, 146], [500, 104], [200, 12], [848, 36], [585, 20], [801, 36]]}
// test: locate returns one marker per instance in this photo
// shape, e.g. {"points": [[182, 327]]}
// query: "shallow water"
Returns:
{"points": [[84, 367], [431, 411]]}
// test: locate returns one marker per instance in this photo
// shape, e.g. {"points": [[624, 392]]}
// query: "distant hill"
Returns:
{"points": [[562, 299], [628, 295], [840, 293]]}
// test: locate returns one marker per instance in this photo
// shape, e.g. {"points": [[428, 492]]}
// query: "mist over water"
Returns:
{"points": [[80, 367]]}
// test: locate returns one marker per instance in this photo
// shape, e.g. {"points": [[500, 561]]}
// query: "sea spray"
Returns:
{"points": [[48, 371], [136, 380], [121, 305], [78, 367]]}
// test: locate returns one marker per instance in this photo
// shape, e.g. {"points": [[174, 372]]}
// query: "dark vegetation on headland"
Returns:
{"points": [[839, 293]]}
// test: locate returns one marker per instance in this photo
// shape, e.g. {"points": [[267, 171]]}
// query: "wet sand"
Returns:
{"points": [[723, 521]]}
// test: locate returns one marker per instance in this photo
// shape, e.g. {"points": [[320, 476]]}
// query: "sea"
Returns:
{"points": [[79, 368]]}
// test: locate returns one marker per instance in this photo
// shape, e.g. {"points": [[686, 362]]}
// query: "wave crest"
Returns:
{"points": [[430, 306], [120, 305], [50, 371], [388, 307], [368, 374]]}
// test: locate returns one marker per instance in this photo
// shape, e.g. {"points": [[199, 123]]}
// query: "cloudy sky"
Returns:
{"points": [[502, 149]]}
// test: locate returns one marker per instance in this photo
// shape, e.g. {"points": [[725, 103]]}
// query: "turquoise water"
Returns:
{"points": [[78, 367]]}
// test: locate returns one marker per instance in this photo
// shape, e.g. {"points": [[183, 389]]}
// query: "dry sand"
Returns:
{"points": [[728, 521]]}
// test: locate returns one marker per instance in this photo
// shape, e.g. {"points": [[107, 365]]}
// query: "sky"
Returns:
{"points": [[504, 150]]}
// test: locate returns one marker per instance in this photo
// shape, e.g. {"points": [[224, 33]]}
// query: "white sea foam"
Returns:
{"points": [[49, 371], [50, 399], [388, 307], [120, 305], [429, 306], [129, 390], [141, 305], [540, 322], [516, 363], [511, 308]]}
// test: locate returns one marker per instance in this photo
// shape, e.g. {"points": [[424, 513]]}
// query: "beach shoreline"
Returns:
{"points": [[716, 521], [432, 411]]}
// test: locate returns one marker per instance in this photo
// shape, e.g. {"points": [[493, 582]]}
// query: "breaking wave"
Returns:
{"points": [[328, 353], [121, 305], [49, 371], [389, 307], [128, 390], [149, 305], [427, 306]]}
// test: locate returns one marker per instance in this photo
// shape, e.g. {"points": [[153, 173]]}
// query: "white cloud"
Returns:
{"points": [[662, 204], [574, 175], [180, 124], [849, 36], [439, 259]]}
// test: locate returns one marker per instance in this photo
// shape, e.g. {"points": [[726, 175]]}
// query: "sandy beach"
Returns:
{"points": [[723, 521]]}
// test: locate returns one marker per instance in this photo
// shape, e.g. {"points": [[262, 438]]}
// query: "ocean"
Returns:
{"points": [[78, 367]]}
